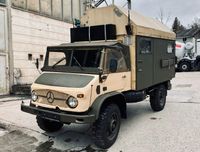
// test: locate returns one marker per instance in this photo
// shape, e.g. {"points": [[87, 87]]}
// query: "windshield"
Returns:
{"points": [[73, 60]]}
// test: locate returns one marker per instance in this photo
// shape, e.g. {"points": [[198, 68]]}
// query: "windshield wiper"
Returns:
{"points": [[58, 62], [78, 63]]}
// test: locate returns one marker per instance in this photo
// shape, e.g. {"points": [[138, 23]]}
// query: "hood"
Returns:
{"points": [[64, 80]]}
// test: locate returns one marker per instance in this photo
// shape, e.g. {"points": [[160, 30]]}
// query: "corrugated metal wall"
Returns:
{"points": [[65, 10]]}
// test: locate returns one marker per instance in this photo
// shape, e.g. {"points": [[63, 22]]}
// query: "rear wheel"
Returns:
{"points": [[48, 125], [184, 66], [106, 128], [158, 98]]}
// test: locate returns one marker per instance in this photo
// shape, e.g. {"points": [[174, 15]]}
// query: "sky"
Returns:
{"points": [[185, 10]]}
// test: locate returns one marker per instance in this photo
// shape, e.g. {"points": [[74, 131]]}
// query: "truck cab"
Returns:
{"points": [[77, 74]]}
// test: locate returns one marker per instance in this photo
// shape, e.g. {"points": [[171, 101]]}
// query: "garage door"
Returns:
{"points": [[3, 82]]}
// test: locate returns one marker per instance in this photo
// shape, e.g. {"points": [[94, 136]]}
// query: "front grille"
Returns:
{"points": [[59, 99]]}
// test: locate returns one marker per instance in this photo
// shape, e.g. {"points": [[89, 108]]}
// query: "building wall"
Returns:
{"points": [[31, 26], [31, 34]]}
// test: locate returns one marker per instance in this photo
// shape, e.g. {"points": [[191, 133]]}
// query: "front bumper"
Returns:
{"points": [[58, 116]]}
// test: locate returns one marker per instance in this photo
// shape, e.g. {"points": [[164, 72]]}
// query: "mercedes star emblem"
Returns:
{"points": [[50, 97]]}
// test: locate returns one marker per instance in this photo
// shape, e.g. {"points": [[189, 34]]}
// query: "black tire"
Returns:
{"points": [[184, 66], [106, 128], [48, 125], [158, 98]]}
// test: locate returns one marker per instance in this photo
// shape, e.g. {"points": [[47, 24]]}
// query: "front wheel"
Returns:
{"points": [[158, 98], [48, 125], [106, 128]]}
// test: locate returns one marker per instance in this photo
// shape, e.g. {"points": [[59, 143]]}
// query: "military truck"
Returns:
{"points": [[112, 60]]}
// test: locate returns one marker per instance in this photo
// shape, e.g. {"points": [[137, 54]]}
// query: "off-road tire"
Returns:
{"points": [[48, 125], [184, 66], [106, 128], [158, 98]]}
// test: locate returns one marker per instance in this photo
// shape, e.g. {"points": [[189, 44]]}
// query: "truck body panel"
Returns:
{"points": [[152, 70]]}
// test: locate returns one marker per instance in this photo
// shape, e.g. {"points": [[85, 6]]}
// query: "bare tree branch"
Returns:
{"points": [[163, 17]]}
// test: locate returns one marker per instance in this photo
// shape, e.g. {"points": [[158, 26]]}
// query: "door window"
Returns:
{"points": [[117, 55]]}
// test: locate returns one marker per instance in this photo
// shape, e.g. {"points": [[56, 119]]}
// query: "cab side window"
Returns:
{"points": [[170, 47], [145, 46], [118, 56]]}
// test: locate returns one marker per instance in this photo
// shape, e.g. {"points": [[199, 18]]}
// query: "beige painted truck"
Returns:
{"points": [[111, 61]]}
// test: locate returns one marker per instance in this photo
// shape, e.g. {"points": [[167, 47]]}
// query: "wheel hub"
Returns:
{"points": [[114, 122], [113, 125], [184, 67]]}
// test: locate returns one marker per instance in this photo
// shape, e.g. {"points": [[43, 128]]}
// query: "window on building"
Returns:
{"points": [[66, 10], [145, 45], [19, 3], [57, 9], [45, 6], [76, 9], [2, 1], [33, 5]]}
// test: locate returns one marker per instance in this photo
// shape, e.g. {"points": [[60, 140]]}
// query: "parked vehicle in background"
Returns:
{"points": [[186, 59]]}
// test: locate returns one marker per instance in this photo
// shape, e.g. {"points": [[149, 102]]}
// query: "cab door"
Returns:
{"points": [[144, 62], [118, 80]]}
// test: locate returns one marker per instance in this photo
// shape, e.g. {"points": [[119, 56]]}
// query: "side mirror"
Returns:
{"points": [[113, 65], [101, 76]]}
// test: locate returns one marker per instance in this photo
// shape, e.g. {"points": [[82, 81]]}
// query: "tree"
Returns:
{"points": [[177, 26], [196, 23], [163, 17]]}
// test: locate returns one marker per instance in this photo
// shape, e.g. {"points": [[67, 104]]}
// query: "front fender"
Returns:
{"points": [[106, 99]]}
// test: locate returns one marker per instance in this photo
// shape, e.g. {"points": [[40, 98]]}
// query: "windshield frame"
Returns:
{"points": [[72, 69]]}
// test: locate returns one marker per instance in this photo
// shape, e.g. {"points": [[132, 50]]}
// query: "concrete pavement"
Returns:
{"points": [[175, 129]]}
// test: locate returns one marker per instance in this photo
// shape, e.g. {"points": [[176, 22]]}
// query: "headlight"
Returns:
{"points": [[34, 96], [72, 102]]}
